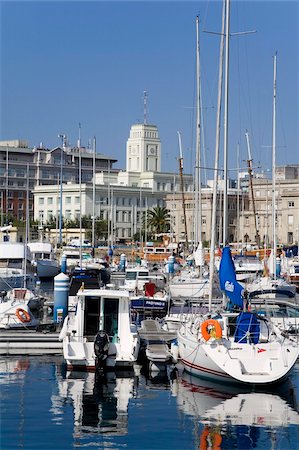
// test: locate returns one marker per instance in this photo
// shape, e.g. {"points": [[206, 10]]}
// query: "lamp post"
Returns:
{"points": [[62, 137]]}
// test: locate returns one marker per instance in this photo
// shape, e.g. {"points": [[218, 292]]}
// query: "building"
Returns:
{"points": [[287, 208], [120, 197], [175, 204], [23, 168]]}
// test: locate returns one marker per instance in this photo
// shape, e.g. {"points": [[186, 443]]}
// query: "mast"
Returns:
{"points": [[249, 164], [273, 169], [26, 229], [198, 206], [225, 137], [214, 206], [63, 140], [93, 192], [182, 188], [80, 195]]}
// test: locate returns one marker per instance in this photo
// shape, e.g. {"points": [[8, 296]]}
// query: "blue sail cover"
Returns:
{"points": [[227, 277]]}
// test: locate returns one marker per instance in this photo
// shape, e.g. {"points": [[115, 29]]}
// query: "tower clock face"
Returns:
{"points": [[152, 151]]}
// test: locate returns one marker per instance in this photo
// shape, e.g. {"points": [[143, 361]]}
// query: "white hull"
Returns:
{"points": [[266, 362], [195, 288]]}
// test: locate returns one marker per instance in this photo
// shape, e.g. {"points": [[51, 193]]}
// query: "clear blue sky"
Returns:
{"points": [[68, 62]]}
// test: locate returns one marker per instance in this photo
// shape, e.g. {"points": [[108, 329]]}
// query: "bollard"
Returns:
{"points": [[61, 293], [63, 265], [122, 263]]}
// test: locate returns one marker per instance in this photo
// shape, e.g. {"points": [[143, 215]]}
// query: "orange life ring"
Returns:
{"points": [[210, 439], [23, 315], [211, 328]]}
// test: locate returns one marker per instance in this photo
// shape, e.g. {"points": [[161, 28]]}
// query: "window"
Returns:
{"points": [[41, 201], [67, 213], [290, 220], [20, 194], [68, 200], [291, 204], [50, 200], [50, 215], [77, 200], [20, 206], [204, 220]]}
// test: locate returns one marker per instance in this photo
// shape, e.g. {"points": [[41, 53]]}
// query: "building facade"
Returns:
{"points": [[120, 197], [23, 168]]}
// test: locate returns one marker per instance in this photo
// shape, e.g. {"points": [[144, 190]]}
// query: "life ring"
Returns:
{"points": [[211, 329], [23, 315], [210, 439]]}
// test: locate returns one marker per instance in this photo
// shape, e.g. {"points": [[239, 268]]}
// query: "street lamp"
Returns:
{"points": [[62, 137]]}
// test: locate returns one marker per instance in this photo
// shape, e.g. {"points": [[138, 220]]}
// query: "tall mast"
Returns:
{"points": [[26, 229], [182, 188], [214, 212], [225, 137], [80, 198], [144, 107], [273, 169], [93, 192], [198, 206], [249, 165]]}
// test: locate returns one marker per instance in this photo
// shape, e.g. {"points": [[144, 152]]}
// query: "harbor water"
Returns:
{"points": [[45, 407]]}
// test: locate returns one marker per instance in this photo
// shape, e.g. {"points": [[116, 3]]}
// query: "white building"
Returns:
{"points": [[121, 197]]}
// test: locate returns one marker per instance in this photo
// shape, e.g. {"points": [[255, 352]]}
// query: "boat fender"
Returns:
{"points": [[63, 330], [211, 329], [23, 315]]}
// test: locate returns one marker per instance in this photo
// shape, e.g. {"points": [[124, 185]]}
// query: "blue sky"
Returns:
{"points": [[67, 62]]}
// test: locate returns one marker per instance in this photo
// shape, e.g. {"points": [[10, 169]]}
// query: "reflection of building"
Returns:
{"points": [[100, 406]]}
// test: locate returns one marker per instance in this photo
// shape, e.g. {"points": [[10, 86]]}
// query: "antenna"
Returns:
{"points": [[79, 136], [144, 107]]}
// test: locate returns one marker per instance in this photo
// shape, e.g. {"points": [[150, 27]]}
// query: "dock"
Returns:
{"points": [[29, 342]]}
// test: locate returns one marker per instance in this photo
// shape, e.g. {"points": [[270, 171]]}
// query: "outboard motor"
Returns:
{"points": [[101, 344]]}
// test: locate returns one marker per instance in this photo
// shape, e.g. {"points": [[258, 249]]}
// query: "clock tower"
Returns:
{"points": [[143, 149]]}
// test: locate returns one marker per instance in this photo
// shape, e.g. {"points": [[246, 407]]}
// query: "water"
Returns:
{"points": [[45, 407]]}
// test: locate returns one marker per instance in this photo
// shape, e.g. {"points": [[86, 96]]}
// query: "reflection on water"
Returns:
{"points": [[100, 403], [237, 412], [140, 410]]}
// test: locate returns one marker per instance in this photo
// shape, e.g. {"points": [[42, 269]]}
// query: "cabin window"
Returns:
{"points": [[91, 316], [111, 318]]}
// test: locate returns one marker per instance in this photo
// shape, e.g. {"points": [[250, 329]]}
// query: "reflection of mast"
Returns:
{"points": [[249, 162], [182, 187]]}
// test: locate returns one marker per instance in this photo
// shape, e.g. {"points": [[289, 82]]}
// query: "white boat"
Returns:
{"points": [[188, 284], [43, 259], [136, 277], [15, 312], [247, 267], [76, 257], [15, 266], [236, 348], [267, 287], [100, 311], [241, 346]]}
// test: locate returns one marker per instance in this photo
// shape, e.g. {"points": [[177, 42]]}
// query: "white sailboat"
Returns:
{"points": [[231, 346]]}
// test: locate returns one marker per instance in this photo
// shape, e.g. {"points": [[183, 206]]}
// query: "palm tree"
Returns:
{"points": [[158, 219]]}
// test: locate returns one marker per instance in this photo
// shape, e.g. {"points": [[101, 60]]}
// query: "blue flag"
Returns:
{"points": [[227, 278]]}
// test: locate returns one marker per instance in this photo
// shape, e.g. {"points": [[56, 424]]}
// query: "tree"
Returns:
{"points": [[158, 219]]}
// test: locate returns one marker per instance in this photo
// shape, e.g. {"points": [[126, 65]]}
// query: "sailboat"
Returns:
{"points": [[235, 345], [191, 282]]}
